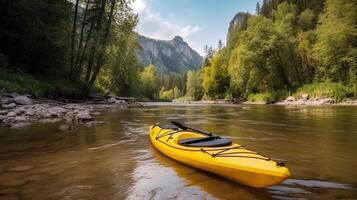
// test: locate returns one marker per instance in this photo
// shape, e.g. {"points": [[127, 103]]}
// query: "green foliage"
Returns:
{"points": [[215, 77], [260, 97], [34, 35], [169, 95], [289, 44], [149, 82], [337, 91], [268, 97], [55, 89], [336, 46], [194, 89]]}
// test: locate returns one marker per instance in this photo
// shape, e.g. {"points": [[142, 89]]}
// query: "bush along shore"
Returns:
{"points": [[18, 111]]}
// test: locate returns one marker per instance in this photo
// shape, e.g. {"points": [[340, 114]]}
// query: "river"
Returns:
{"points": [[116, 161]]}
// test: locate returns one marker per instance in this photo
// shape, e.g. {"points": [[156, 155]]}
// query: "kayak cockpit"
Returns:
{"points": [[205, 142]]}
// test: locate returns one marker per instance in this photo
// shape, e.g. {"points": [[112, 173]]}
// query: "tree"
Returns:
{"points": [[336, 46], [220, 45], [257, 8], [193, 85], [149, 82]]}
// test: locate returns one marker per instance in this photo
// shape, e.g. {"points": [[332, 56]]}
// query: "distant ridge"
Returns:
{"points": [[170, 56]]}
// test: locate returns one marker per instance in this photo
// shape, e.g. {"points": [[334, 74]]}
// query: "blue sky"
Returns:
{"points": [[198, 22]]}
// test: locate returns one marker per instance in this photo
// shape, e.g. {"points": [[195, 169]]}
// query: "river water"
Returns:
{"points": [[116, 161]]}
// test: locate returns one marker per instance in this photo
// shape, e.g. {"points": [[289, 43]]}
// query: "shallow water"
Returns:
{"points": [[116, 161]]}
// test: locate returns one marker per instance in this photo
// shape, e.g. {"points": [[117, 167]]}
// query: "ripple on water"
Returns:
{"points": [[317, 184], [296, 188]]}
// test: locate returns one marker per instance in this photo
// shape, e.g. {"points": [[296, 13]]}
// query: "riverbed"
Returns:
{"points": [[116, 160]]}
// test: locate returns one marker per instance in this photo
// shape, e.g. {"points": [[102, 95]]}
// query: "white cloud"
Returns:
{"points": [[138, 6], [152, 25]]}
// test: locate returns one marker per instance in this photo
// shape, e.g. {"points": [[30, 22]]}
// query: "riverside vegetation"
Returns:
{"points": [[288, 48]]}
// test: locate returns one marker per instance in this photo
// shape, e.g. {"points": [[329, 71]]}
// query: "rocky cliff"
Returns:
{"points": [[169, 56], [239, 22]]}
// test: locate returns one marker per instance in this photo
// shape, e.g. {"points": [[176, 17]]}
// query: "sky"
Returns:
{"points": [[198, 22]]}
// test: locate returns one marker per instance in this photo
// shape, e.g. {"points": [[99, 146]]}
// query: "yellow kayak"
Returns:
{"points": [[217, 155]]}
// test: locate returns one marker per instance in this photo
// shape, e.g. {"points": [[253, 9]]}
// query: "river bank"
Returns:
{"points": [[18, 111], [288, 101]]}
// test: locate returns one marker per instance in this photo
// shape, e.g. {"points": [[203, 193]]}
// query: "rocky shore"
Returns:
{"points": [[305, 100], [18, 111]]}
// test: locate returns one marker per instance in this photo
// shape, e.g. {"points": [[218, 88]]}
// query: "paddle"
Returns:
{"points": [[183, 127]]}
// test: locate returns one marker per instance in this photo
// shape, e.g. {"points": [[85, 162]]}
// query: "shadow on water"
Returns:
{"points": [[116, 161]]}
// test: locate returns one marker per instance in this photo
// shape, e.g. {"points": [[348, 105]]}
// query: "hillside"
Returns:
{"points": [[168, 56]]}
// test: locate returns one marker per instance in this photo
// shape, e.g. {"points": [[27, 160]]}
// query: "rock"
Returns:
{"points": [[12, 95], [20, 125], [305, 96], [2, 117], [64, 127], [95, 113], [327, 101], [111, 100], [6, 100], [20, 168], [9, 106], [94, 123], [20, 119], [3, 112], [290, 98], [11, 114], [23, 100], [20, 110], [84, 116], [67, 128], [29, 112]]}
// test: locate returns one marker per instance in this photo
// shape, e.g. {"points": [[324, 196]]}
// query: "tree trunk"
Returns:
{"points": [[96, 40], [77, 58], [105, 41], [73, 35]]}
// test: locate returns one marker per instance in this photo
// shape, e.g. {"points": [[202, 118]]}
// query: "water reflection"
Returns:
{"points": [[116, 161]]}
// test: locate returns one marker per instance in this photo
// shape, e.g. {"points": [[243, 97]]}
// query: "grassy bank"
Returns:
{"points": [[336, 91], [42, 88]]}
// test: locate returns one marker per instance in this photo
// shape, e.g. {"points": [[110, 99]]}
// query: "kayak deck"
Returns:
{"points": [[232, 160]]}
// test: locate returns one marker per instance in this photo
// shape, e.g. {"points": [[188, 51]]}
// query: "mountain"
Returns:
{"points": [[172, 56]]}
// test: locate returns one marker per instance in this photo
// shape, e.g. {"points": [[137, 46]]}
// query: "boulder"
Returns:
{"points": [[11, 105], [290, 98], [23, 100]]}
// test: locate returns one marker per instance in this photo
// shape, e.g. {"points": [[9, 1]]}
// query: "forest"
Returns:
{"points": [[285, 48], [69, 49]]}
